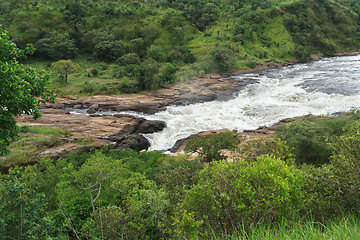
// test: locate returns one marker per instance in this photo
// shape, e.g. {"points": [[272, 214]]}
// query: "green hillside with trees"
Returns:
{"points": [[129, 46]]}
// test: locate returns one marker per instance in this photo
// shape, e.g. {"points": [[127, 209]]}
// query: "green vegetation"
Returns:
{"points": [[209, 148], [302, 184], [20, 86], [31, 141], [130, 46], [65, 67], [265, 192]]}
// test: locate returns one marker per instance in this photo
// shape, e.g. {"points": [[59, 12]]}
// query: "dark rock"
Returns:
{"points": [[124, 116], [150, 126], [181, 143], [136, 142], [93, 109], [77, 106]]}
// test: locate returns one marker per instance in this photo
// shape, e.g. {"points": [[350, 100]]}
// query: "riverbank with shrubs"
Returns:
{"points": [[302, 184]]}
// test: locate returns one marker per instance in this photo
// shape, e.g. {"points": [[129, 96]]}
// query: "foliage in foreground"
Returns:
{"points": [[20, 86], [231, 195], [126, 195]]}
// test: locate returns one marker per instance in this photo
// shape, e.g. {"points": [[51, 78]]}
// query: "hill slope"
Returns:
{"points": [[150, 44]]}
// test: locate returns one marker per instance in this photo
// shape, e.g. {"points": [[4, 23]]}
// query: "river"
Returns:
{"points": [[321, 88]]}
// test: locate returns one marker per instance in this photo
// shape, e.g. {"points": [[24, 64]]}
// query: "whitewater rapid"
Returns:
{"points": [[320, 88]]}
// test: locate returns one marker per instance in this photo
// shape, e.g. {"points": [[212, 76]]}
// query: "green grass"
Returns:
{"points": [[32, 141], [338, 229], [59, 132]]}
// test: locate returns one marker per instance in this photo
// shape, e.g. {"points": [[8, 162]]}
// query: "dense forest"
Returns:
{"points": [[137, 45], [302, 184]]}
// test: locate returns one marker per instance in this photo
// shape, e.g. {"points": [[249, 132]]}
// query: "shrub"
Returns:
{"points": [[167, 74], [209, 148], [156, 52], [94, 72], [320, 192], [146, 74], [231, 195], [308, 140], [302, 54], [223, 58], [109, 50], [88, 88], [276, 148], [128, 59], [346, 161], [251, 64]]}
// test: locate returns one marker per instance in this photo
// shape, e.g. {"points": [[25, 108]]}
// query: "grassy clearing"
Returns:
{"points": [[26, 150], [84, 82]]}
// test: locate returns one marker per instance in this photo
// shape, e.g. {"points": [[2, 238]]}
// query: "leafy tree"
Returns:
{"points": [[109, 50], [146, 74], [19, 87], [209, 148], [57, 46], [65, 67], [22, 210]]}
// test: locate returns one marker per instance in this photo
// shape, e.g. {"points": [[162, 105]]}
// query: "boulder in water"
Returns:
{"points": [[136, 142]]}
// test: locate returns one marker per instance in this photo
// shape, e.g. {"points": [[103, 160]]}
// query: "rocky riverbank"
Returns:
{"points": [[125, 131], [121, 130]]}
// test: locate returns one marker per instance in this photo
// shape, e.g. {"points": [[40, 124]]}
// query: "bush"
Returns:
{"points": [[302, 54], [109, 50], [94, 72], [320, 192], [251, 64], [146, 74], [128, 59], [209, 148], [233, 195], [275, 148], [309, 140], [167, 74], [223, 58], [346, 161], [156, 52]]}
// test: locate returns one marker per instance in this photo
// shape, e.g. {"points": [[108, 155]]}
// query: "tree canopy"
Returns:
{"points": [[20, 87]]}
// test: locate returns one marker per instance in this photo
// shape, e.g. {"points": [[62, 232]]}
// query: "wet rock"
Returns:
{"points": [[77, 106], [93, 109], [136, 142], [124, 116], [150, 126]]}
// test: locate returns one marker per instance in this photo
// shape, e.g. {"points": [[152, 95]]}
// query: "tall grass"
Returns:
{"points": [[338, 229]]}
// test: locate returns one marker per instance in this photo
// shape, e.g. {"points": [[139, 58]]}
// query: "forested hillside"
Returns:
{"points": [[150, 44]]}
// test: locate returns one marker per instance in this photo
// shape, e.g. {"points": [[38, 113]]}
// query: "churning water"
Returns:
{"points": [[322, 87]]}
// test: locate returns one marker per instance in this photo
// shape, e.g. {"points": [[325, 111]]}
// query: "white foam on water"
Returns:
{"points": [[320, 88]]}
